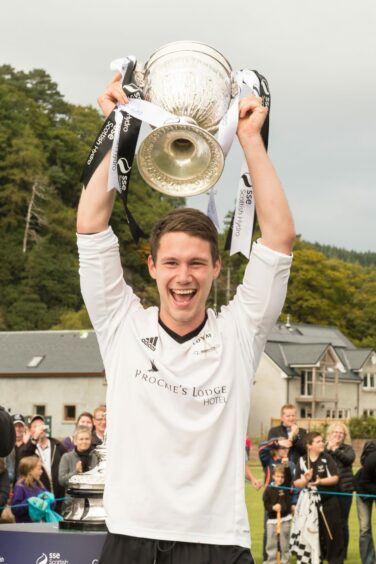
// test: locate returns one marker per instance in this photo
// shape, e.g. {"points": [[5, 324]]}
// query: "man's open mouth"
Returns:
{"points": [[183, 296]]}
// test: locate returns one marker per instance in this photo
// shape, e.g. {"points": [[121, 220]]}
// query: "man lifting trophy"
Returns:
{"points": [[179, 375]]}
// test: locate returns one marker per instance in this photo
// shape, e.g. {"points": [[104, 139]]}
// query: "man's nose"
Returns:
{"points": [[183, 274]]}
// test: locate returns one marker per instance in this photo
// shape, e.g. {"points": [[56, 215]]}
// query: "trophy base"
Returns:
{"points": [[84, 511], [67, 525]]}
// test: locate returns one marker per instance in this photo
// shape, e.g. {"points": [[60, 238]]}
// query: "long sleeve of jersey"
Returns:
{"points": [[107, 297], [259, 299]]}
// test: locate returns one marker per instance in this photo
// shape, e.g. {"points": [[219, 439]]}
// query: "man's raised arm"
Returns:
{"points": [[96, 203], [273, 213]]}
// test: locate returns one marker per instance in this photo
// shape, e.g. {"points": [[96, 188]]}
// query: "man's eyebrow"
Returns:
{"points": [[193, 259]]}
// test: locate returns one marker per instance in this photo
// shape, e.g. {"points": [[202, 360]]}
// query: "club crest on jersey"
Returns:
{"points": [[150, 342]]}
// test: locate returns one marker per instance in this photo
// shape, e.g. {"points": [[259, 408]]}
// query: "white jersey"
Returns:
{"points": [[177, 412]]}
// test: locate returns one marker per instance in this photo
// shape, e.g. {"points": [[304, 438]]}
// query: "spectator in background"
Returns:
{"points": [[275, 452], [28, 485], [343, 454], [99, 426], [80, 460], [277, 504], [50, 451], [22, 436], [248, 446], [365, 483], [85, 419], [4, 488], [7, 433], [289, 430], [318, 469], [272, 453]]}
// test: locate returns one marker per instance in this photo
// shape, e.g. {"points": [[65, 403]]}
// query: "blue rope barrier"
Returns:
{"points": [[372, 496], [27, 505], [355, 494]]}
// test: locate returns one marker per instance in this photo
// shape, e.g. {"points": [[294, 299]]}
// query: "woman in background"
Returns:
{"points": [[84, 420], [80, 460], [337, 445]]}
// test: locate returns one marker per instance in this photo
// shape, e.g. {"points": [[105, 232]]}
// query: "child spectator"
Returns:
{"points": [[28, 485], [319, 470], [277, 503], [274, 452]]}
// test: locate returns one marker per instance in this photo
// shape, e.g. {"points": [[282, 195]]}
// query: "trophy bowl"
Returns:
{"points": [[194, 82]]}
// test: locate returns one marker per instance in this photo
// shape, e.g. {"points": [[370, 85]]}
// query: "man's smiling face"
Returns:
{"points": [[184, 272]]}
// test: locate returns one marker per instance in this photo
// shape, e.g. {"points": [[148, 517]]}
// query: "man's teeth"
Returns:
{"points": [[184, 292]]}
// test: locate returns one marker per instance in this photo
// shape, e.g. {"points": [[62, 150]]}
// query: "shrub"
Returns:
{"points": [[363, 427]]}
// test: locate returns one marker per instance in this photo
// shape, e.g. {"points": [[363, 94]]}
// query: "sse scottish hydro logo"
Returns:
{"points": [[52, 558]]}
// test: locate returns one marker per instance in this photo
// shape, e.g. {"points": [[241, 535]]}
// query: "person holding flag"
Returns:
{"points": [[318, 472]]}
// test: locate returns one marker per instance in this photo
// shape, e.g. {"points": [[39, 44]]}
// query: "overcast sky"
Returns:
{"points": [[319, 58]]}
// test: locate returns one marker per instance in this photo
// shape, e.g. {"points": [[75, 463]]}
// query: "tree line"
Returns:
{"points": [[44, 141]]}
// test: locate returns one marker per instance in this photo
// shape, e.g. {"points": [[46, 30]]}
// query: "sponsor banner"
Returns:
{"points": [[44, 543]]}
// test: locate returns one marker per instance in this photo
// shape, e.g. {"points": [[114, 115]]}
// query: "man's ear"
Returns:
{"points": [[217, 268], [151, 267]]}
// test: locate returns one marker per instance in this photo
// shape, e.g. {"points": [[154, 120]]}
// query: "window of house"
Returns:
{"points": [[369, 412], [369, 380], [342, 414], [306, 385], [39, 410], [69, 413], [305, 412]]}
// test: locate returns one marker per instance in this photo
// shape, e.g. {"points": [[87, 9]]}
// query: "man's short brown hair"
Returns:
{"points": [[186, 220], [287, 406]]}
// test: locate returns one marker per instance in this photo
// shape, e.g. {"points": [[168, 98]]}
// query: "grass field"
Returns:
{"points": [[256, 517]]}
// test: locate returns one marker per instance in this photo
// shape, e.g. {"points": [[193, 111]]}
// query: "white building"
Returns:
{"points": [[317, 369], [60, 374], [53, 373]]}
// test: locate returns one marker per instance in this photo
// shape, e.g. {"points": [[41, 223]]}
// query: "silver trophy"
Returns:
{"points": [[84, 510], [195, 82]]}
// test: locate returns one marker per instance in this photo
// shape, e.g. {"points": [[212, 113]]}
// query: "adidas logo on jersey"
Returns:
{"points": [[150, 342]]}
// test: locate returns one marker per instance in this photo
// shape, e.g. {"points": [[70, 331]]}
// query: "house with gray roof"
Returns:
{"points": [[54, 373], [315, 368], [60, 374]]}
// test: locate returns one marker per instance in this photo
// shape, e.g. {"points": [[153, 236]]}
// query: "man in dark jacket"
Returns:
{"points": [[291, 431], [7, 434], [365, 482], [50, 452]]}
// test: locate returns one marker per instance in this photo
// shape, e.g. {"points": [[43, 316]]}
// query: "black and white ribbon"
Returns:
{"points": [[242, 225]]}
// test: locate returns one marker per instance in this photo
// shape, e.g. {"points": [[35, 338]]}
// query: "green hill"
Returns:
{"points": [[43, 143]]}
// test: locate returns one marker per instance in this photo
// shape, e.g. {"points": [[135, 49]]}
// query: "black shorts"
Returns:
{"points": [[121, 549]]}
